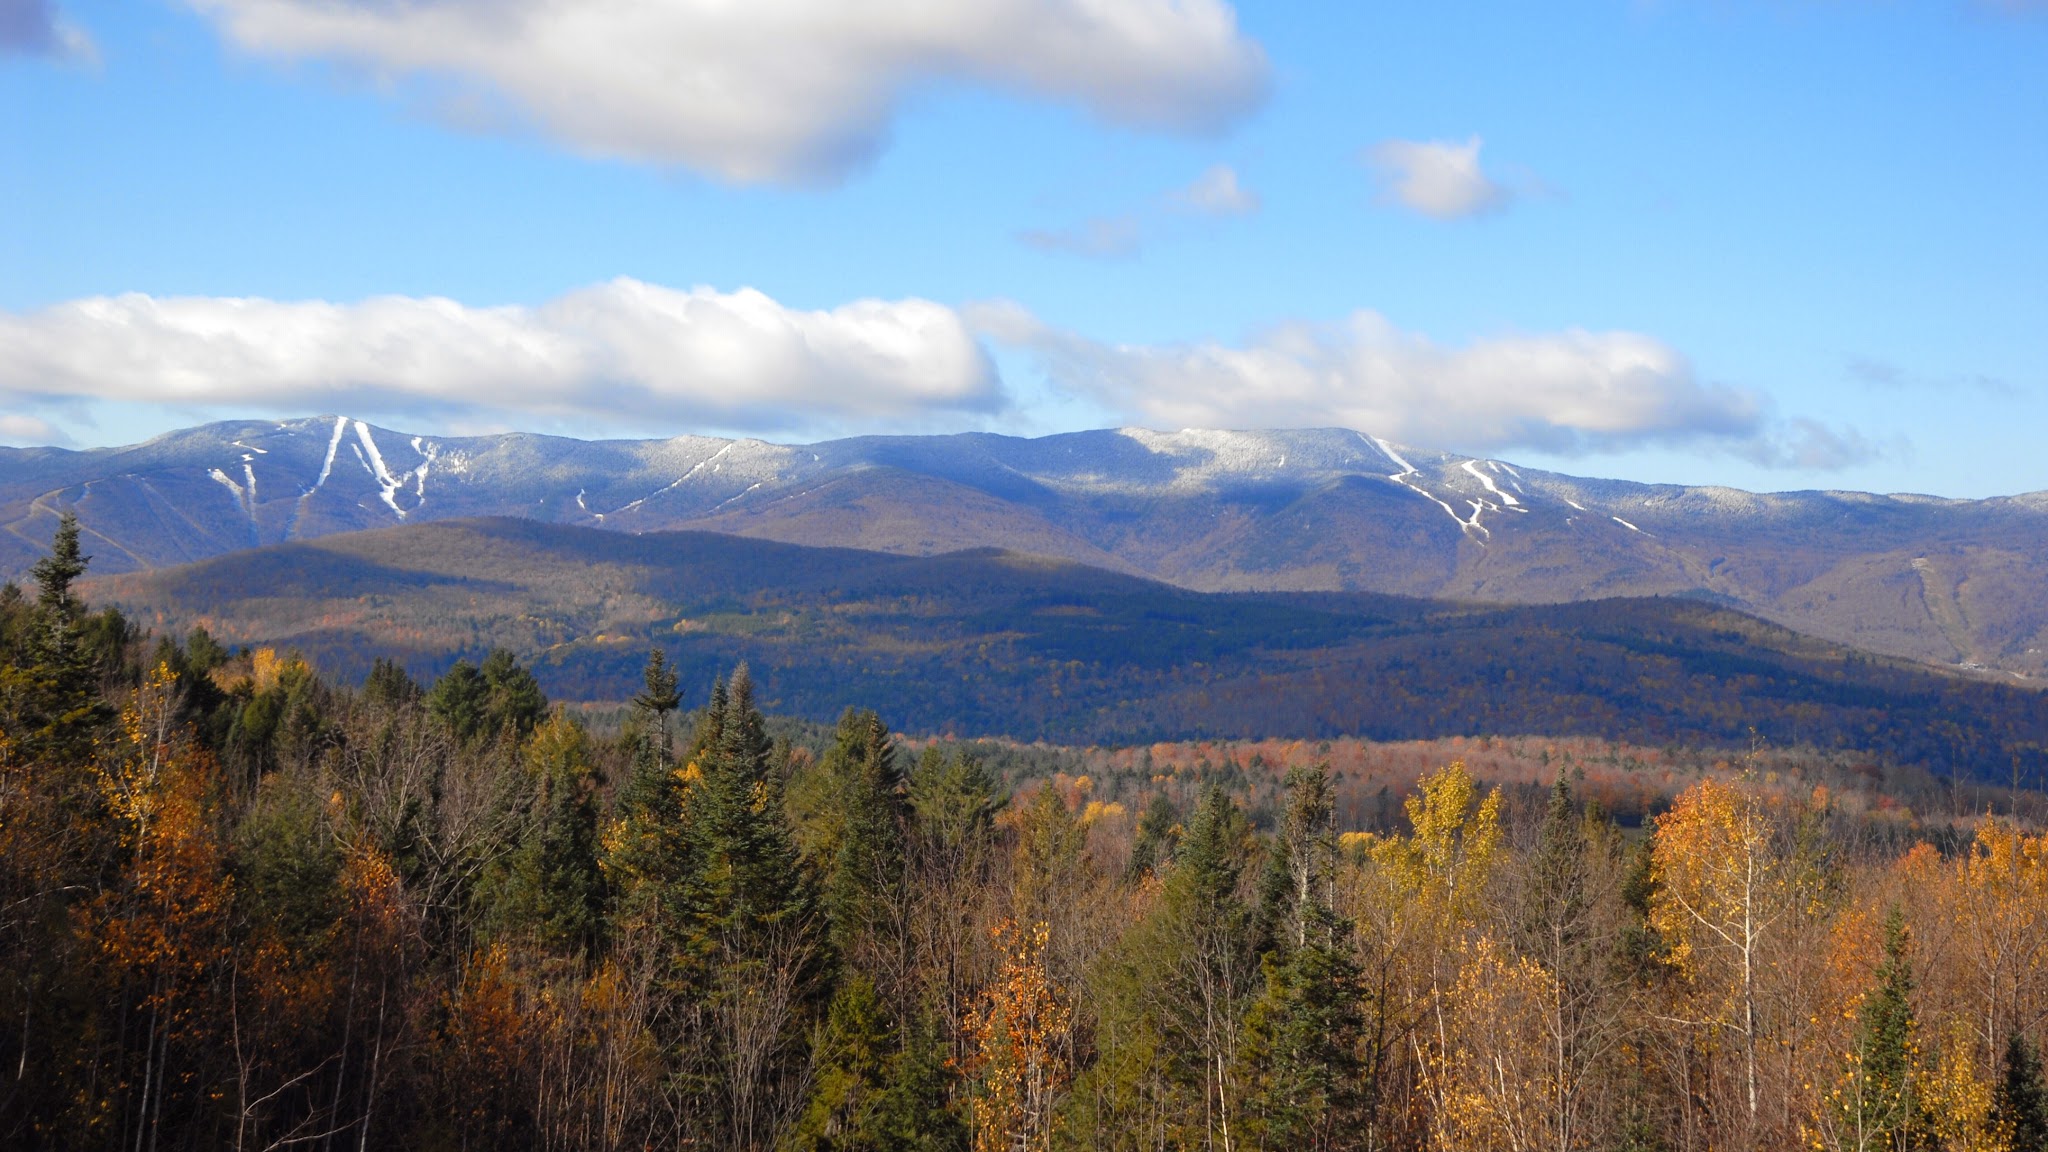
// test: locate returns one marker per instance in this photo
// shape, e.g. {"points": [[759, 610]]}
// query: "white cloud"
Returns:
{"points": [[1565, 392], [1438, 178], [620, 352], [1218, 192], [791, 91]]}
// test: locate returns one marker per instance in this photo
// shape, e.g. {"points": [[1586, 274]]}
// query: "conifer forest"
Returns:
{"points": [[245, 907]]}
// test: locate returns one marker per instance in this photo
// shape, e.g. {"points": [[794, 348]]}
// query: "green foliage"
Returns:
{"points": [[2019, 1103], [865, 885], [388, 685], [1154, 842], [552, 885], [953, 801], [1303, 1032], [1173, 993], [1879, 1100], [878, 1087], [287, 863], [500, 698]]}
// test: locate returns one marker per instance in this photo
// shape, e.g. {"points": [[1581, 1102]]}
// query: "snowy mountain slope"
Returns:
{"points": [[1950, 581]]}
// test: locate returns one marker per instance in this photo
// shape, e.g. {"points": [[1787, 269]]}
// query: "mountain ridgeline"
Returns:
{"points": [[994, 643], [1328, 510]]}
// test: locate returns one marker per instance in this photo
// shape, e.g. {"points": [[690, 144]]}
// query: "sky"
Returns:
{"points": [[1775, 244]]}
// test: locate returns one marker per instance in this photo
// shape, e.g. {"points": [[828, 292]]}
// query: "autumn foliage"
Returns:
{"points": [[242, 907]]}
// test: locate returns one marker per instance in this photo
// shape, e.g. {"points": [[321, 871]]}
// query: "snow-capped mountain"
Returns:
{"points": [[1951, 581]]}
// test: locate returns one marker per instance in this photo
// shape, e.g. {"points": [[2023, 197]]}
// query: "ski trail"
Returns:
{"points": [[375, 464], [1483, 478], [333, 445], [1387, 449], [679, 481]]}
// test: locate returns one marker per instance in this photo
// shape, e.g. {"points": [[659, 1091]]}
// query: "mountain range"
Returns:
{"points": [[1953, 582]]}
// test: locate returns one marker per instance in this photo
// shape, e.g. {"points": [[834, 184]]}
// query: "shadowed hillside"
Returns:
{"points": [[991, 643]]}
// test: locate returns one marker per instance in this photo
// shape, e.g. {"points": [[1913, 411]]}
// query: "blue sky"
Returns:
{"points": [[1774, 245]]}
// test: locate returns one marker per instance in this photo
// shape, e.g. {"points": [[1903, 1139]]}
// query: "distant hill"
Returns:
{"points": [[1946, 581], [992, 643]]}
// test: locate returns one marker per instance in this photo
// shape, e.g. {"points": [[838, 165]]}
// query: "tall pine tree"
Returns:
{"points": [[2019, 1101]]}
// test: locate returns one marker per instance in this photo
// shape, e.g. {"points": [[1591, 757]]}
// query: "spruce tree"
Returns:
{"points": [[953, 803], [2019, 1101], [876, 1087], [1153, 843], [659, 698], [1883, 1103], [1172, 996], [742, 921], [553, 886], [867, 870], [1302, 1033], [59, 702]]}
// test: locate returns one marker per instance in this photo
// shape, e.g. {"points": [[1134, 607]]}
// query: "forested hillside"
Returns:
{"points": [[996, 644], [245, 907]]}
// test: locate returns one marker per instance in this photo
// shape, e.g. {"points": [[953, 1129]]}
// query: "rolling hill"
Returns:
{"points": [[992, 643]]}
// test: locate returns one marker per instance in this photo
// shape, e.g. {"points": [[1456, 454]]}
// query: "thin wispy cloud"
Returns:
{"points": [[777, 91], [620, 353], [36, 28], [1218, 192], [1442, 179], [1885, 376], [1102, 238]]}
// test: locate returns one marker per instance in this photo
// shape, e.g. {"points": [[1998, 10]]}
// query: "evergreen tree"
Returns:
{"points": [[553, 886], [877, 1087], [953, 803], [206, 654], [742, 920], [513, 701], [1553, 922], [1302, 1034], [458, 699], [55, 697], [1153, 843], [388, 685], [55, 573], [1879, 1099], [658, 699], [867, 871], [2019, 1101], [1172, 995]]}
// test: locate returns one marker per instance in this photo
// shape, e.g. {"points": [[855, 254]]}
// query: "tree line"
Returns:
{"points": [[242, 907]]}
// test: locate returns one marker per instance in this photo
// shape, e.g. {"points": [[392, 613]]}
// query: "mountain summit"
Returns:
{"points": [[1948, 581]]}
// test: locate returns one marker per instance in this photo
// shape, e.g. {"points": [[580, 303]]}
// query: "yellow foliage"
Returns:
{"points": [[1494, 1078], [1718, 882], [1097, 809], [129, 773], [1019, 1037], [1451, 855], [1956, 1096]]}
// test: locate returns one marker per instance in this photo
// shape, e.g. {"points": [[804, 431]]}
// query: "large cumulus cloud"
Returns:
{"points": [[612, 354], [787, 91]]}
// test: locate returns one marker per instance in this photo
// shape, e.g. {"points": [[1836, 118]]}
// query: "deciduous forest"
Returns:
{"points": [[245, 907]]}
